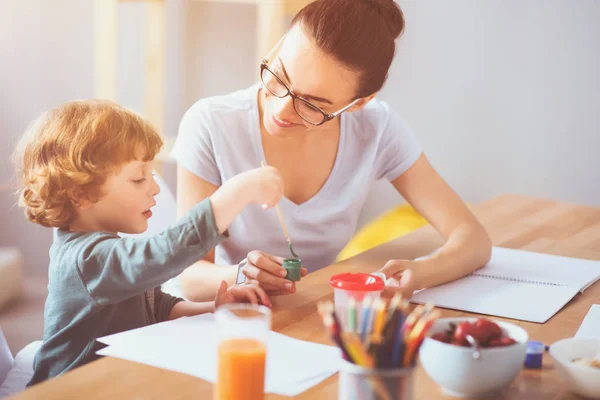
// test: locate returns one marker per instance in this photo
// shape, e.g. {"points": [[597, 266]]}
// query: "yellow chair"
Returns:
{"points": [[392, 224]]}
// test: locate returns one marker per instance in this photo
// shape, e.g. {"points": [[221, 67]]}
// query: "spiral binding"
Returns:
{"points": [[508, 278]]}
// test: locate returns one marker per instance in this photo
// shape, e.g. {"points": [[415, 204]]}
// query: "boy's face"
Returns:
{"points": [[125, 200]]}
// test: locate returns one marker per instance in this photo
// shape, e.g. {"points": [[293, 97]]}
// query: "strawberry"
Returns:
{"points": [[463, 329], [501, 342], [487, 330], [442, 337], [462, 344]]}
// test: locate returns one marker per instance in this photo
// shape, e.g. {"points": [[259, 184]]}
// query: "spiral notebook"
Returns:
{"points": [[516, 284]]}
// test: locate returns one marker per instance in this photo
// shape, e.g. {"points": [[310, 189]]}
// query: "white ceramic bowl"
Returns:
{"points": [[459, 374], [580, 379]]}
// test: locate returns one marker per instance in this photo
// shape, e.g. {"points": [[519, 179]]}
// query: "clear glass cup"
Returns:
{"points": [[244, 331], [358, 383]]}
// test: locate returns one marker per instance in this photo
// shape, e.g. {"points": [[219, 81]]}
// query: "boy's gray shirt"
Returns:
{"points": [[100, 284]]}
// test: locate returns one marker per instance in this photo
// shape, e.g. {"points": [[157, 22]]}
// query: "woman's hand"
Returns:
{"points": [[400, 277], [267, 271]]}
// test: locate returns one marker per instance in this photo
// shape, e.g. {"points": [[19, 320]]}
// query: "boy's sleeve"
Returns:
{"points": [[163, 304], [113, 269]]}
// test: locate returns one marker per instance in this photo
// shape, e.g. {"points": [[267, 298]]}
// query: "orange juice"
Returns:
{"points": [[241, 374]]}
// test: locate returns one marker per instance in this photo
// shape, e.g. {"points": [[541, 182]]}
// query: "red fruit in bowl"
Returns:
{"points": [[479, 334], [501, 342], [487, 329], [442, 337], [463, 329], [462, 344]]}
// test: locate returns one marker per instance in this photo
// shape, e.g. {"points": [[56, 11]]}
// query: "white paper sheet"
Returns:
{"points": [[590, 327], [189, 345]]}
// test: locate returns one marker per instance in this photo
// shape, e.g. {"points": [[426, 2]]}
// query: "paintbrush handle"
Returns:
{"points": [[282, 222], [280, 215]]}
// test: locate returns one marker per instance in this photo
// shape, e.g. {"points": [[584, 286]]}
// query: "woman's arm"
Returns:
{"points": [[468, 246], [200, 281]]}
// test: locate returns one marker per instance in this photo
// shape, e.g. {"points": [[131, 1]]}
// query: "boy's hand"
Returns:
{"points": [[246, 292], [264, 184], [258, 186]]}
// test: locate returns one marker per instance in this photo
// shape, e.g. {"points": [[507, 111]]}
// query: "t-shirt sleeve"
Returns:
{"points": [[163, 304], [398, 148], [113, 269], [194, 147]]}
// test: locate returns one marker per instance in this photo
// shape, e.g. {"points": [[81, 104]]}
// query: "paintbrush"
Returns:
{"points": [[283, 227]]}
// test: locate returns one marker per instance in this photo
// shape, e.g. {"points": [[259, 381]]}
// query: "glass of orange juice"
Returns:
{"points": [[242, 351]]}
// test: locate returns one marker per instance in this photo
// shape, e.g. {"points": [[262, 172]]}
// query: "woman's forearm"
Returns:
{"points": [[200, 281], [468, 248]]}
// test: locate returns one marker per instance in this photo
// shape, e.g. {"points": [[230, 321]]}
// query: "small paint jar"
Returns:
{"points": [[294, 269], [534, 354]]}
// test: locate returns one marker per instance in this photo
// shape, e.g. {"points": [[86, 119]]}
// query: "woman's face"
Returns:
{"points": [[311, 74]]}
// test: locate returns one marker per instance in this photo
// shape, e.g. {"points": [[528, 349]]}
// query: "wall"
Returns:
{"points": [[42, 63], [503, 95]]}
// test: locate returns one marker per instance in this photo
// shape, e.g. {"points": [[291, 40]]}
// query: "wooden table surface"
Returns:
{"points": [[512, 221]]}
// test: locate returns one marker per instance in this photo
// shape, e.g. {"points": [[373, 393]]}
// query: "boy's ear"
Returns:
{"points": [[83, 204], [81, 199], [362, 102]]}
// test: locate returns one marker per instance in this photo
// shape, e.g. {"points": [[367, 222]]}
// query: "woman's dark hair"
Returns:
{"points": [[359, 33]]}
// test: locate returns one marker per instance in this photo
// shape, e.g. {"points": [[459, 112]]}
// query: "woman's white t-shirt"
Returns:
{"points": [[219, 137]]}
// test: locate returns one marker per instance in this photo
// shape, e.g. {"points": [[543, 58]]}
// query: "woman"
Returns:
{"points": [[315, 118]]}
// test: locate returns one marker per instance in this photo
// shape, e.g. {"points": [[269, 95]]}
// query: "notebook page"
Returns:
{"points": [[543, 268], [501, 298], [590, 327]]}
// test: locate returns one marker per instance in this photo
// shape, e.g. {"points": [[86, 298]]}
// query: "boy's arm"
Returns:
{"points": [[251, 293], [163, 304], [167, 307], [113, 269], [188, 309]]}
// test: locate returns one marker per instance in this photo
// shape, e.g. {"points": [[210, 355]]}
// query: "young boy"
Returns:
{"points": [[86, 169]]}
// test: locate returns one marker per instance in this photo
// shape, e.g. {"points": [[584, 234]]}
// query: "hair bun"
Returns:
{"points": [[391, 13]]}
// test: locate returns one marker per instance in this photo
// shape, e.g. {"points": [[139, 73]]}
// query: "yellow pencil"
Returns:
{"points": [[364, 359], [396, 300], [416, 335], [379, 319]]}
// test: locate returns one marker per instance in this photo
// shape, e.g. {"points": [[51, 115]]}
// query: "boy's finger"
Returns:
{"points": [[264, 298], [251, 296], [222, 287]]}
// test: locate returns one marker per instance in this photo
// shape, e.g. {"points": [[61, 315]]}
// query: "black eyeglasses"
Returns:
{"points": [[304, 108]]}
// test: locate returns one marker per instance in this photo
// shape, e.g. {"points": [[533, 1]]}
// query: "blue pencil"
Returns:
{"points": [[365, 318], [386, 350], [398, 352]]}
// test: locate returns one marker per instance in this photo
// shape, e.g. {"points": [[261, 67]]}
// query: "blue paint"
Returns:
{"points": [[534, 354]]}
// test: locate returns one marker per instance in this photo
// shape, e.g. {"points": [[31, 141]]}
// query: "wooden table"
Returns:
{"points": [[512, 221]]}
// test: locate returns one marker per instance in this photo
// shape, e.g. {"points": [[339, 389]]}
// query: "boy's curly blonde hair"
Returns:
{"points": [[69, 151]]}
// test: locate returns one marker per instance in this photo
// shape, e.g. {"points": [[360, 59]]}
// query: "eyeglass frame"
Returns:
{"points": [[326, 116]]}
